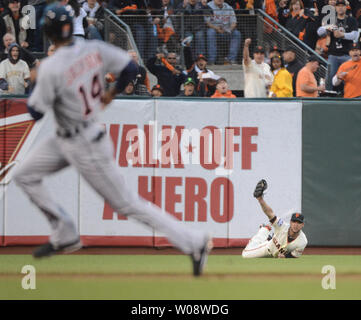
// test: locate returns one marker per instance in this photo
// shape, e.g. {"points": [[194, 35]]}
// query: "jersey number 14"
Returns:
{"points": [[95, 93]]}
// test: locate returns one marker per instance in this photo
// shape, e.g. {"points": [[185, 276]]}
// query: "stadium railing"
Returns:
{"points": [[137, 32]]}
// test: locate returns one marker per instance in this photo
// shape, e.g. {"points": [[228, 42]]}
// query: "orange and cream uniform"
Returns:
{"points": [[260, 247]]}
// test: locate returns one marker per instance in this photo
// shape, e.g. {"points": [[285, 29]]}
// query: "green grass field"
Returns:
{"points": [[168, 277]]}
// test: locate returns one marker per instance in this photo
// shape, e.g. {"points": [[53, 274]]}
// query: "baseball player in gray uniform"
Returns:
{"points": [[71, 83], [288, 240]]}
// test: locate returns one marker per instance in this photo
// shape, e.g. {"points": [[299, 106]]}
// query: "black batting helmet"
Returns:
{"points": [[57, 22]]}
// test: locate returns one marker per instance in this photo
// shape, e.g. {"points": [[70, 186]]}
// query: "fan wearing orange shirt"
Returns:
{"points": [[222, 90], [306, 84], [350, 73]]}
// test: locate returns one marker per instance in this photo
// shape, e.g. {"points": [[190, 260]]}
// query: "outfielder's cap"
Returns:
{"points": [[338, 2], [297, 217], [57, 21], [259, 49], [201, 56]]}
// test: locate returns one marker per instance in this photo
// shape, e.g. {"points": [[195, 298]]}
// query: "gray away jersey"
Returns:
{"points": [[71, 81]]}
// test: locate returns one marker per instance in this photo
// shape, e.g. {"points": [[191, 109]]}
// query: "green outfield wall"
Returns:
{"points": [[331, 171]]}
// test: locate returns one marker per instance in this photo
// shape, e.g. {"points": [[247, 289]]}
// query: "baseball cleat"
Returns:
{"points": [[199, 259], [48, 249]]}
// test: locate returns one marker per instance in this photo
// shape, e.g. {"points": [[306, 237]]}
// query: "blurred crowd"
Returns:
{"points": [[201, 34]]}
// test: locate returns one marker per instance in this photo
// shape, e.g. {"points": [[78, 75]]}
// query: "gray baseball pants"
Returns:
{"points": [[93, 158]]}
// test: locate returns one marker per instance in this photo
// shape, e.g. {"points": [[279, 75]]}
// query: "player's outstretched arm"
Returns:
{"points": [[258, 194], [266, 208]]}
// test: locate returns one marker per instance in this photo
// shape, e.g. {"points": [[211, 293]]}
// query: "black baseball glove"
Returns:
{"points": [[260, 188]]}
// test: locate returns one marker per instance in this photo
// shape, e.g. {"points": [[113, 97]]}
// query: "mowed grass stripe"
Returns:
{"points": [[177, 264], [179, 289]]}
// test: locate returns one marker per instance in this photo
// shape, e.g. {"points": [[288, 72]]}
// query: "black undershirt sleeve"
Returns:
{"points": [[273, 220]]}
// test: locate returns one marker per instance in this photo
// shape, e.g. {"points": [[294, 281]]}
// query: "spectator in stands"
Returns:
{"points": [[342, 34], [222, 29], [79, 22], [222, 90], [350, 74], [11, 22], [324, 19], [257, 74], [169, 75], [274, 51], [197, 67], [314, 22], [129, 90], [38, 42], [194, 24], [142, 20], [242, 4], [306, 84], [25, 55], [189, 88], [295, 19], [157, 91], [51, 50], [14, 72], [292, 64], [207, 84], [268, 6], [322, 47], [166, 28], [282, 81], [142, 86], [356, 10], [95, 17]]}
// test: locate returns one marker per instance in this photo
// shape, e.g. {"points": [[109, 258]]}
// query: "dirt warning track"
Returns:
{"points": [[168, 251]]}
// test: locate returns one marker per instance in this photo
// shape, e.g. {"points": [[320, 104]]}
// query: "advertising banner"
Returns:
{"points": [[199, 160]]}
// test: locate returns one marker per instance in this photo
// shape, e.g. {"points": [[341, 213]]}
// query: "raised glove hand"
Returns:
{"points": [[260, 188]]}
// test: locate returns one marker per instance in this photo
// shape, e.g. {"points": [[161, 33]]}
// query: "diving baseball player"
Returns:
{"points": [[288, 240], [71, 83]]}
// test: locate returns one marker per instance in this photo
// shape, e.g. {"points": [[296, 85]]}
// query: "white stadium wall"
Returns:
{"points": [[198, 159]]}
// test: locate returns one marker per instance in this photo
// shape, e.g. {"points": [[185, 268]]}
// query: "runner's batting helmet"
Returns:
{"points": [[57, 22]]}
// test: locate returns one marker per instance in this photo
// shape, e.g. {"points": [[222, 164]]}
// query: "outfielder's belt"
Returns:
{"points": [[70, 133]]}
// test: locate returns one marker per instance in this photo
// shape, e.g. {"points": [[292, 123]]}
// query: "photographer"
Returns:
{"points": [[343, 32]]}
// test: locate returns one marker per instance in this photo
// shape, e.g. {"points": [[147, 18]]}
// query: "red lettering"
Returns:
{"points": [[153, 195], [230, 147], [108, 213], [149, 142], [228, 200], [195, 192], [134, 155], [247, 146], [171, 198], [170, 147], [124, 144], [205, 145], [114, 135]]}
